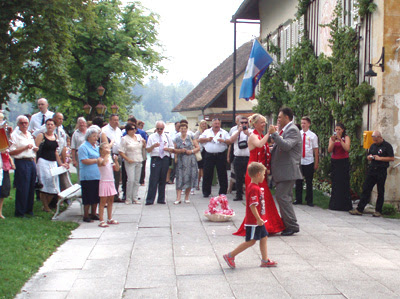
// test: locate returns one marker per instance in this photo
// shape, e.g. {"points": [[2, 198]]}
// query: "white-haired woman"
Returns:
{"points": [[77, 139], [89, 174], [23, 149], [259, 152]]}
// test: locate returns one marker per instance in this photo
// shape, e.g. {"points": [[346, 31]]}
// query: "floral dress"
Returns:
{"points": [[186, 170]]}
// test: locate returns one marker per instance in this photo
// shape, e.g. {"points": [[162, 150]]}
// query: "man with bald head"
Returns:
{"points": [[379, 154], [38, 119]]}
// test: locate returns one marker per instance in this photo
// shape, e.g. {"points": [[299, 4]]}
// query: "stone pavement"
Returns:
{"points": [[173, 251]]}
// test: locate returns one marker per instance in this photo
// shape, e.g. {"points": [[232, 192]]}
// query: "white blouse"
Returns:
{"points": [[132, 148]]}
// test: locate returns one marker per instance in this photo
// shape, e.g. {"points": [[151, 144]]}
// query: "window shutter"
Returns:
{"points": [[300, 29]]}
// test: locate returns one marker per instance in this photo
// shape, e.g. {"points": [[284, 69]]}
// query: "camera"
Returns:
{"points": [[244, 128]]}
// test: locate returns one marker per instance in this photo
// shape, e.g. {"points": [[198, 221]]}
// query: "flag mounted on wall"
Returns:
{"points": [[258, 63]]}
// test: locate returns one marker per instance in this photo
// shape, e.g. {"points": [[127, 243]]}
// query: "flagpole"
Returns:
{"points": [[234, 73]]}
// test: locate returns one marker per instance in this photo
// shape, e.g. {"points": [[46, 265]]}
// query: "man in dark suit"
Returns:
{"points": [[285, 166]]}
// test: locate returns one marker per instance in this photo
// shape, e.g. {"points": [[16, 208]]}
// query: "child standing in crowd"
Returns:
{"points": [[106, 186], [6, 185], [255, 208]]}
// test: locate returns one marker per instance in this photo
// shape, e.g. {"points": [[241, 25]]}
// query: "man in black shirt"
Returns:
{"points": [[380, 154]]}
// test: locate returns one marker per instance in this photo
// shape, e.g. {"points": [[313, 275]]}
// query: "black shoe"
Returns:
{"points": [[310, 204], [238, 199], [148, 203], [161, 203], [297, 202], [87, 219], [94, 217], [117, 200], [205, 196], [289, 232]]}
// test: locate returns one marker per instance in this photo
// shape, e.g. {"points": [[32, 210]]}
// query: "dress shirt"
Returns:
{"points": [[77, 139], [236, 150], [132, 148], [113, 134], [310, 145], [20, 140], [154, 138], [37, 119], [215, 146]]}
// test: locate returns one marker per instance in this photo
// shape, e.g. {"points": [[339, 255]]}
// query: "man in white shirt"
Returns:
{"points": [[23, 150], [160, 147], [216, 141], [239, 137], [38, 119], [309, 162], [114, 133]]}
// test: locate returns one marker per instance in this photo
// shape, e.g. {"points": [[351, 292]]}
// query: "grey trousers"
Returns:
{"points": [[284, 197]]}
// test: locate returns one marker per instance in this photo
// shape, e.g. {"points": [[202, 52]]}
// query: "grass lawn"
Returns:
{"points": [[26, 243]]}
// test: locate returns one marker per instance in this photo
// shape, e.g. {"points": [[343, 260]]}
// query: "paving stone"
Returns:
{"points": [[173, 251]]}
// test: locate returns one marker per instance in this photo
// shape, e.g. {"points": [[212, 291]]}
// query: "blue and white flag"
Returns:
{"points": [[258, 63]]}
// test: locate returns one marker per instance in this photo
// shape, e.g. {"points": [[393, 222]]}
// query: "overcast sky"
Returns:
{"points": [[197, 36]]}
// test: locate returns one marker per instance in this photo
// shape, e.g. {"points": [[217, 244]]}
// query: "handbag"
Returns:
{"points": [[198, 156]]}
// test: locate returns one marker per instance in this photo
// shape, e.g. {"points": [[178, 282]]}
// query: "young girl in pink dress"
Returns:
{"points": [[106, 186]]}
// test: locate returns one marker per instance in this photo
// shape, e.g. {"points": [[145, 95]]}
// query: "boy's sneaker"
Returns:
{"points": [[230, 261], [268, 263]]}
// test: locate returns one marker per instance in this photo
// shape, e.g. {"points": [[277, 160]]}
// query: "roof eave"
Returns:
{"points": [[248, 10]]}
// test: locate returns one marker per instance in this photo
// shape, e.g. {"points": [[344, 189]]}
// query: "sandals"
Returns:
{"points": [[177, 202], [103, 224], [187, 201], [112, 221]]}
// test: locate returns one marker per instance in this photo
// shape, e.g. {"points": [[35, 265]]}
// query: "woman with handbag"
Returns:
{"points": [[186, 167], [200, 162]]}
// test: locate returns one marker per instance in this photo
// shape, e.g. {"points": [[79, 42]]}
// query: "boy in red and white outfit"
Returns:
{"points": [[255, 208]]}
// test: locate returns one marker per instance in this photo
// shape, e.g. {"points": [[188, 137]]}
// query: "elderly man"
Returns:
{"points": [[160, 147], [216, 141], [77, 139], [114, 133], [380, 154], [285, 166], [23, 150], [38, 119]]}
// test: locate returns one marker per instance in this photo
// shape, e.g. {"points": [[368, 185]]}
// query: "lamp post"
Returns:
{"points": [[101, 108]]}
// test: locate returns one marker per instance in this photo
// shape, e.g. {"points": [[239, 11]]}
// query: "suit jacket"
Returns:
{"points": [[286, 155]]}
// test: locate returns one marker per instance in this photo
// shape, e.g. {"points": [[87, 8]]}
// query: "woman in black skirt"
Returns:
{"points": [[339, 146]]}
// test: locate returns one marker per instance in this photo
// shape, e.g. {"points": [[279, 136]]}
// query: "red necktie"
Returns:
{"points": [[304, 145], [280, 133]]}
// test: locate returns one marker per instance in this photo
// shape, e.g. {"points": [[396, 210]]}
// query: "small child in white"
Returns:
{"points": [[255, 228]]}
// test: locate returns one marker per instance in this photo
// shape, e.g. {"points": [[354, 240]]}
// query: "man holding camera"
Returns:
{"points": [[380, 154], [239, 137]]}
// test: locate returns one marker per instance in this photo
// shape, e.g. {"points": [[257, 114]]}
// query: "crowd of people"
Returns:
{"points": [[107, 155]]}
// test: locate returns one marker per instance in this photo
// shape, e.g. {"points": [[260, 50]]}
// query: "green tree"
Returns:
{"points": [[35, 39], [114, 47], [110, 45]]}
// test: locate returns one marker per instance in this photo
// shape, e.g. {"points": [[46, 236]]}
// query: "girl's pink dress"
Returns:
{"points": [[274, 222], [106, 186]]}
